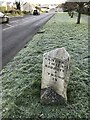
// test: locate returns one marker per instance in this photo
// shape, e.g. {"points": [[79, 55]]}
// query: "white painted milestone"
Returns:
{"points": [[55, 73]]}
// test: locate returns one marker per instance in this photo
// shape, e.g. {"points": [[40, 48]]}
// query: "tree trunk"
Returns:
{"points": [[79, 12], [69, 13], [18, 5], [79, 17], [72, 14]]}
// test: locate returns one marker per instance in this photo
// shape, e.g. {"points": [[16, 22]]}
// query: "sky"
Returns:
{"points": [[41, 1]]}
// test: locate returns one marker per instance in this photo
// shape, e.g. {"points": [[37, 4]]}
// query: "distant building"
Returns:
{"points": [[3, 4], [51, 6], [11, 5], [44, 8], [27, 7], [7, 5], [47, 7]]}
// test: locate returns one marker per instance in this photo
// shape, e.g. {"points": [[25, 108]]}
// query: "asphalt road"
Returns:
{"points": [[18, 32]]}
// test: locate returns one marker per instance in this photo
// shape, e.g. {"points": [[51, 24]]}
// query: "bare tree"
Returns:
{"points": [[18, 4], [69, 7], [76, 4], [80, 7]]}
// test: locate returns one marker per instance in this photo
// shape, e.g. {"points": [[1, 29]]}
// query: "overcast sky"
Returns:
{"points": [[42, 1]]}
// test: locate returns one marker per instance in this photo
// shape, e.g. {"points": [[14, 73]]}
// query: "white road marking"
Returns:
{"points": [[9, 25], [8, 28], [19, 20], [15, 25], [21, 23], [15, 21]]}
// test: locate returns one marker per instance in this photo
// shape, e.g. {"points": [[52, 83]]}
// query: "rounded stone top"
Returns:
{"points": [[59, 53]]}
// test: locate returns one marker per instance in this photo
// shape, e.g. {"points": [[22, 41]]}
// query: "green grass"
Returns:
{"points": [[21, 78]]}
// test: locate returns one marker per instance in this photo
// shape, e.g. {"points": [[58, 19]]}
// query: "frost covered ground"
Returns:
{"points": [[21, 78]]}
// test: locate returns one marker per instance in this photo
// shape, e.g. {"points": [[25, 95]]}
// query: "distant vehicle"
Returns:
{"points": [[46, 11], [3, 18], [36, 12]]}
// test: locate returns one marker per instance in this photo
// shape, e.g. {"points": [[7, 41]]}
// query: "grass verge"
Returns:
{"points": [[21, 78]]}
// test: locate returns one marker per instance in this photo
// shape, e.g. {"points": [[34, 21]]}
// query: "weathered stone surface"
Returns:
{"points": [[55, 76], [50, 96]]}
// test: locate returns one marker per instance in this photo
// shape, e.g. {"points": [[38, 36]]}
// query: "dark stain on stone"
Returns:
{"points": [[49, 96]]}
